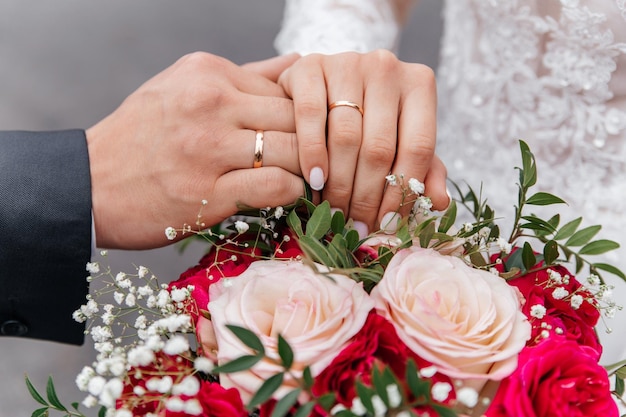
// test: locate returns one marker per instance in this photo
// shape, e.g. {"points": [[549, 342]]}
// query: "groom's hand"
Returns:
{"points": [[188, 135]]}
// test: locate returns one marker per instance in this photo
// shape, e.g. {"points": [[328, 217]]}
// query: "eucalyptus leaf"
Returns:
{"points": [[528, 256], [426, 235], [316, 251], [52, 396], [285, 352], [307, 377], [443, 411], [419, 387], [266, 390], [619, 386], [248, 338], [284, 405], [544, 199], [583, 236], [598, 247], [337, 222], [610, 268], [243, 363], [365, 394], [326, 401], [305, 410], [352, 239], [319, 223], [448, 219], [550, 252], [568, 229], [40, 412], [294, 222], [34, 393]]}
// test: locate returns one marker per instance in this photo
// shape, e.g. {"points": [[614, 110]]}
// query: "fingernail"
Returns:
{"points": [[334, 210], [316, 178], [449, 197], [389, 223], [361, 228]]}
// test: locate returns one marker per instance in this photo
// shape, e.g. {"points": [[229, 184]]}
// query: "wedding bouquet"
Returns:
{"points": [[294, 315]]}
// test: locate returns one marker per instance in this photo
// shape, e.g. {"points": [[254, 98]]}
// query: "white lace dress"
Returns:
{"points": [[547, 71]]}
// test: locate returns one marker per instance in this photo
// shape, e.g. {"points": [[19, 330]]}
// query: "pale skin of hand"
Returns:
{"points": [[187, 135], [396, 134]]}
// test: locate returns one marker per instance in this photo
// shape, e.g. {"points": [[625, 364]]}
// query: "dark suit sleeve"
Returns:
{"points": [[45, 233]]}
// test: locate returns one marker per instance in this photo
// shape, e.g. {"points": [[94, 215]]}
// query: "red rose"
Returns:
{"points": [[212, 267], [576, 324], [377, 344], [555, 378], [216, 402]]}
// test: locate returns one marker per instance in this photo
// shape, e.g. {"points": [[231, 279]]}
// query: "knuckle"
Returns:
{"points": [[380, 150], [308, 106], [346, 134], [365, 204], [385, 60]]}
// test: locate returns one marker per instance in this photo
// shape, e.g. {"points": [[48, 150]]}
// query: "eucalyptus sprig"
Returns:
{"points": [[51, 402]]}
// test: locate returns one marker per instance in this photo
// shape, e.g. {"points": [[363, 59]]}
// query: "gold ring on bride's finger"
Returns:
{"points": [[345, 103], [258, 150]]}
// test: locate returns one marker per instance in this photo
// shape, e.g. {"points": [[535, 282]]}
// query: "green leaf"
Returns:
{"points": [[426, 235], [283, 406], [544, 199], [248, 338], [598, 247], [338, 222], [307, 378], [550, 252], [40, 412], [568, 229], [102, 412], [316, 250], [285, 352], [448, 219], [611, 269], [266, 390], [528, 175], [319, 223], [242, 363], [305, 410], [365, 394], [444, 411], [619, 386], [419, 387], [528, 256], [536, 223], [34, 393], [338, 250], [326, 401], [583, 236], [294, 222], [379, 385], [352, 239], [52, 396]]}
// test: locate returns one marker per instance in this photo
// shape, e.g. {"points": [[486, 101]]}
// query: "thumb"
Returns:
{"points": [[273, 67]]}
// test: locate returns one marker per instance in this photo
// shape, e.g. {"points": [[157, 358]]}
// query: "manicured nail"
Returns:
{"points": [[449, 197], [334, 210], [361, 228], [389, 223], [316, 178]]}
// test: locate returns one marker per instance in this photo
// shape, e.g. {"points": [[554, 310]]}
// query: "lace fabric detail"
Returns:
{"points": [[546, 72], [333, 26]]}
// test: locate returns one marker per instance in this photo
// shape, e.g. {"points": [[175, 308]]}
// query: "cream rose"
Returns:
{"points": [[466, 321], [316, 315]]}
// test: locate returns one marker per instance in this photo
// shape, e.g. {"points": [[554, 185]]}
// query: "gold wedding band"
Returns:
{"points": [[258, 150], [345, 103]]}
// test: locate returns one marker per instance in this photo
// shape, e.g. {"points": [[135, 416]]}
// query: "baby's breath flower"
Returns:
{"points": [[203, 364], [278, 213], [171, 233], [357, 407], [538, 311], [163, 298], [93, 267], [188, 386], [467, 396], [111, 392], [179, 294], [119, 297], [140, 356], [403, 414], [83, 378], [139, 391], [555, 276], [122, 412], [440, 391], [176, 345], [337, 409], [141, 322], [394, 395], [101, 334], [131, 300], [576, 301], [593, 280], [175, 404], [484, 232], [380, 409], [504, 245], [193, 407], [416, 186], [161, 385], [96, 385], [559, 293], [427, 372], [79, 317], [90, 401], [241, 227], [391, 180]]}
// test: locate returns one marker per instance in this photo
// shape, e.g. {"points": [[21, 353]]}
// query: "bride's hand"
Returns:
{"points": [[395, 134]]}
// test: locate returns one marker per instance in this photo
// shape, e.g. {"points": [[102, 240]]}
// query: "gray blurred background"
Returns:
{"points": [[68, 63]]}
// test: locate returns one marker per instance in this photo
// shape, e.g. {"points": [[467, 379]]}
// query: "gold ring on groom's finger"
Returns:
{"points": [[345, 103], [258, 150]]}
